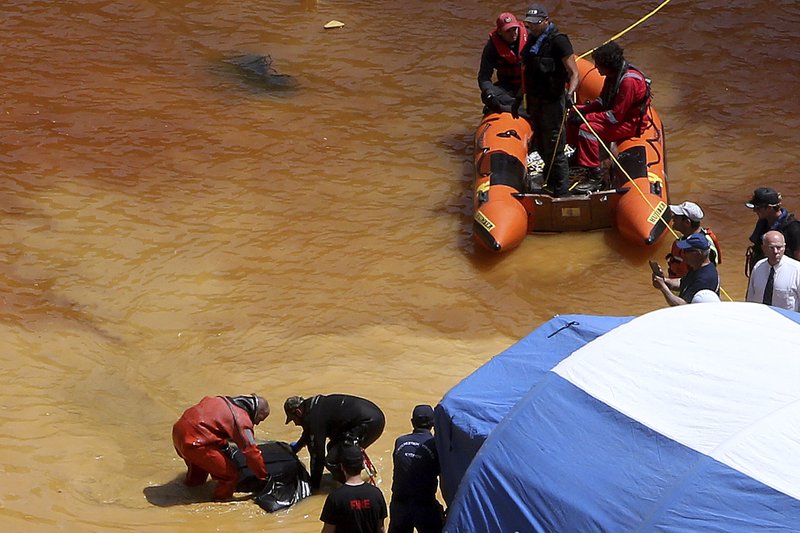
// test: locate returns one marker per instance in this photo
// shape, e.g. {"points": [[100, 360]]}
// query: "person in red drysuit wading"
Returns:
{"points": [[202, 433]]}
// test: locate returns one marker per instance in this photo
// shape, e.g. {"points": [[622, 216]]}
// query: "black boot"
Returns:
{"points": [[591, 182]]}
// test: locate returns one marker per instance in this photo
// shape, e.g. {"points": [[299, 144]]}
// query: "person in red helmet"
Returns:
{"points": [[201, 436], [502, 53]]}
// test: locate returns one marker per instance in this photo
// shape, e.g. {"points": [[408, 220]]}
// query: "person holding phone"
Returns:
{"points": [[703, 274]]}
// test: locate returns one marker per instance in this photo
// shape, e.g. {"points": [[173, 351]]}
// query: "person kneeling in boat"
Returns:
{"points": [[345, 420], [621, 112], [502, 53], [201, 438], [686, 219], [702, 273]]}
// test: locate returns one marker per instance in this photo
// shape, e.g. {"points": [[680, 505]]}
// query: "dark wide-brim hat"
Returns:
{"points": [[764, 197]]}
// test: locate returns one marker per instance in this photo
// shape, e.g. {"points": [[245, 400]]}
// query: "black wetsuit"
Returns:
{"points": [[345, 420]]}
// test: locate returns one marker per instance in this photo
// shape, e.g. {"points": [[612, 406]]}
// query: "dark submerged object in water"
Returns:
{"points": [[287, 481], [257, 71]]}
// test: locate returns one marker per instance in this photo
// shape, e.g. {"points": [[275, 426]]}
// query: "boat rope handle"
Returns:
{"points": [[629, 28], [635, 185]]}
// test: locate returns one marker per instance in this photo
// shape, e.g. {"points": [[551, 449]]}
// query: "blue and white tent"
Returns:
{"points": [[684, 419]]}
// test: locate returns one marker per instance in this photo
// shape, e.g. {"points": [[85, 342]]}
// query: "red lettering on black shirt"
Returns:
{"points": [[359, 504]]}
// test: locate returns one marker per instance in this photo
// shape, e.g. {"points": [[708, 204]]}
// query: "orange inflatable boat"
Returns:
{"points": [[504, 212]]}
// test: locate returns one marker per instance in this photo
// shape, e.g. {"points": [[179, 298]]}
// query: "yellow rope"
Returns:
{"points": [[620, 167], [608, 150], [629, 28], [635, 185]]}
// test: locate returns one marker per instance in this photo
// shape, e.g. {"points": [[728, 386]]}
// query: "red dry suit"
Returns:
{"points": [[203, 431], [620, 113]]}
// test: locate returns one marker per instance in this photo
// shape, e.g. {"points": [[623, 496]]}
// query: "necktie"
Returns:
{"points": [[767, 299]]}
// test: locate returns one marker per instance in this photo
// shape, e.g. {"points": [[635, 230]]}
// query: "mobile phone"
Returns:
{"points": [[656, 269]]}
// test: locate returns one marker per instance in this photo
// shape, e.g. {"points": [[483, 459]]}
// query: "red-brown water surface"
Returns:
{"points": [[170, 231]]}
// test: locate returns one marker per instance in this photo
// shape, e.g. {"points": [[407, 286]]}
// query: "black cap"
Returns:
{"points": [[764, 196], [352, 457], [535, 13], [422, 415]]}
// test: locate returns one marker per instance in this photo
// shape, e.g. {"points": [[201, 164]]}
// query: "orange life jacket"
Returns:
{"points": [[509, 71], [677, 268]]}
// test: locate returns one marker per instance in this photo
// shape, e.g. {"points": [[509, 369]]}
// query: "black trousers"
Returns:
{"points": [[426, 516], [550, 138]]}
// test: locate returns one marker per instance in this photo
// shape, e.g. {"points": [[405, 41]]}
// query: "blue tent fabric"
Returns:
{"points": [[573, 453], [472, 409], [592, 482]]}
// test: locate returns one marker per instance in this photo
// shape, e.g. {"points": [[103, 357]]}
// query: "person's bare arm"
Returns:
{"points": [[661, 284], [572, 71], [329, 528]]}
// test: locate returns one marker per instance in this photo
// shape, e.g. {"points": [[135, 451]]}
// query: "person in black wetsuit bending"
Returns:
{"points": [[342, 419]]}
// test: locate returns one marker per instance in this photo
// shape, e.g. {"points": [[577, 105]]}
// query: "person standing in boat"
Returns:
{"points": [[621, 112], [345, 420], [686, 219], [702, 273], [503, 54], [766, 204], [551, 77], [201, 438]]}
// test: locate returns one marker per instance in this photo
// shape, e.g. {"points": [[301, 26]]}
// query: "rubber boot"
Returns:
{"points": [[591, 182]]}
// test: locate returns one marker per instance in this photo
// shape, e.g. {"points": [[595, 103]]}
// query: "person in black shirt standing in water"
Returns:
{"points": [[416, 472], [355, 507], [345, 420]]}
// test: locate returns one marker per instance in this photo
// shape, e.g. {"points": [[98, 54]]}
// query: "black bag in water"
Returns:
{"points": [[287, 480]]}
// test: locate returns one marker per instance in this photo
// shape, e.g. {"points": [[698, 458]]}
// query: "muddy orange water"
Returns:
{"points": [[170, 230]]}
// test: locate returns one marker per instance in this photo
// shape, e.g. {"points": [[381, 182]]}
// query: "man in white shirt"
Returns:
{"points": [[775, 280]]}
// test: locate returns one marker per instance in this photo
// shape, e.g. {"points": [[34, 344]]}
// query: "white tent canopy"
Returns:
{"points": [[684, 419]]}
